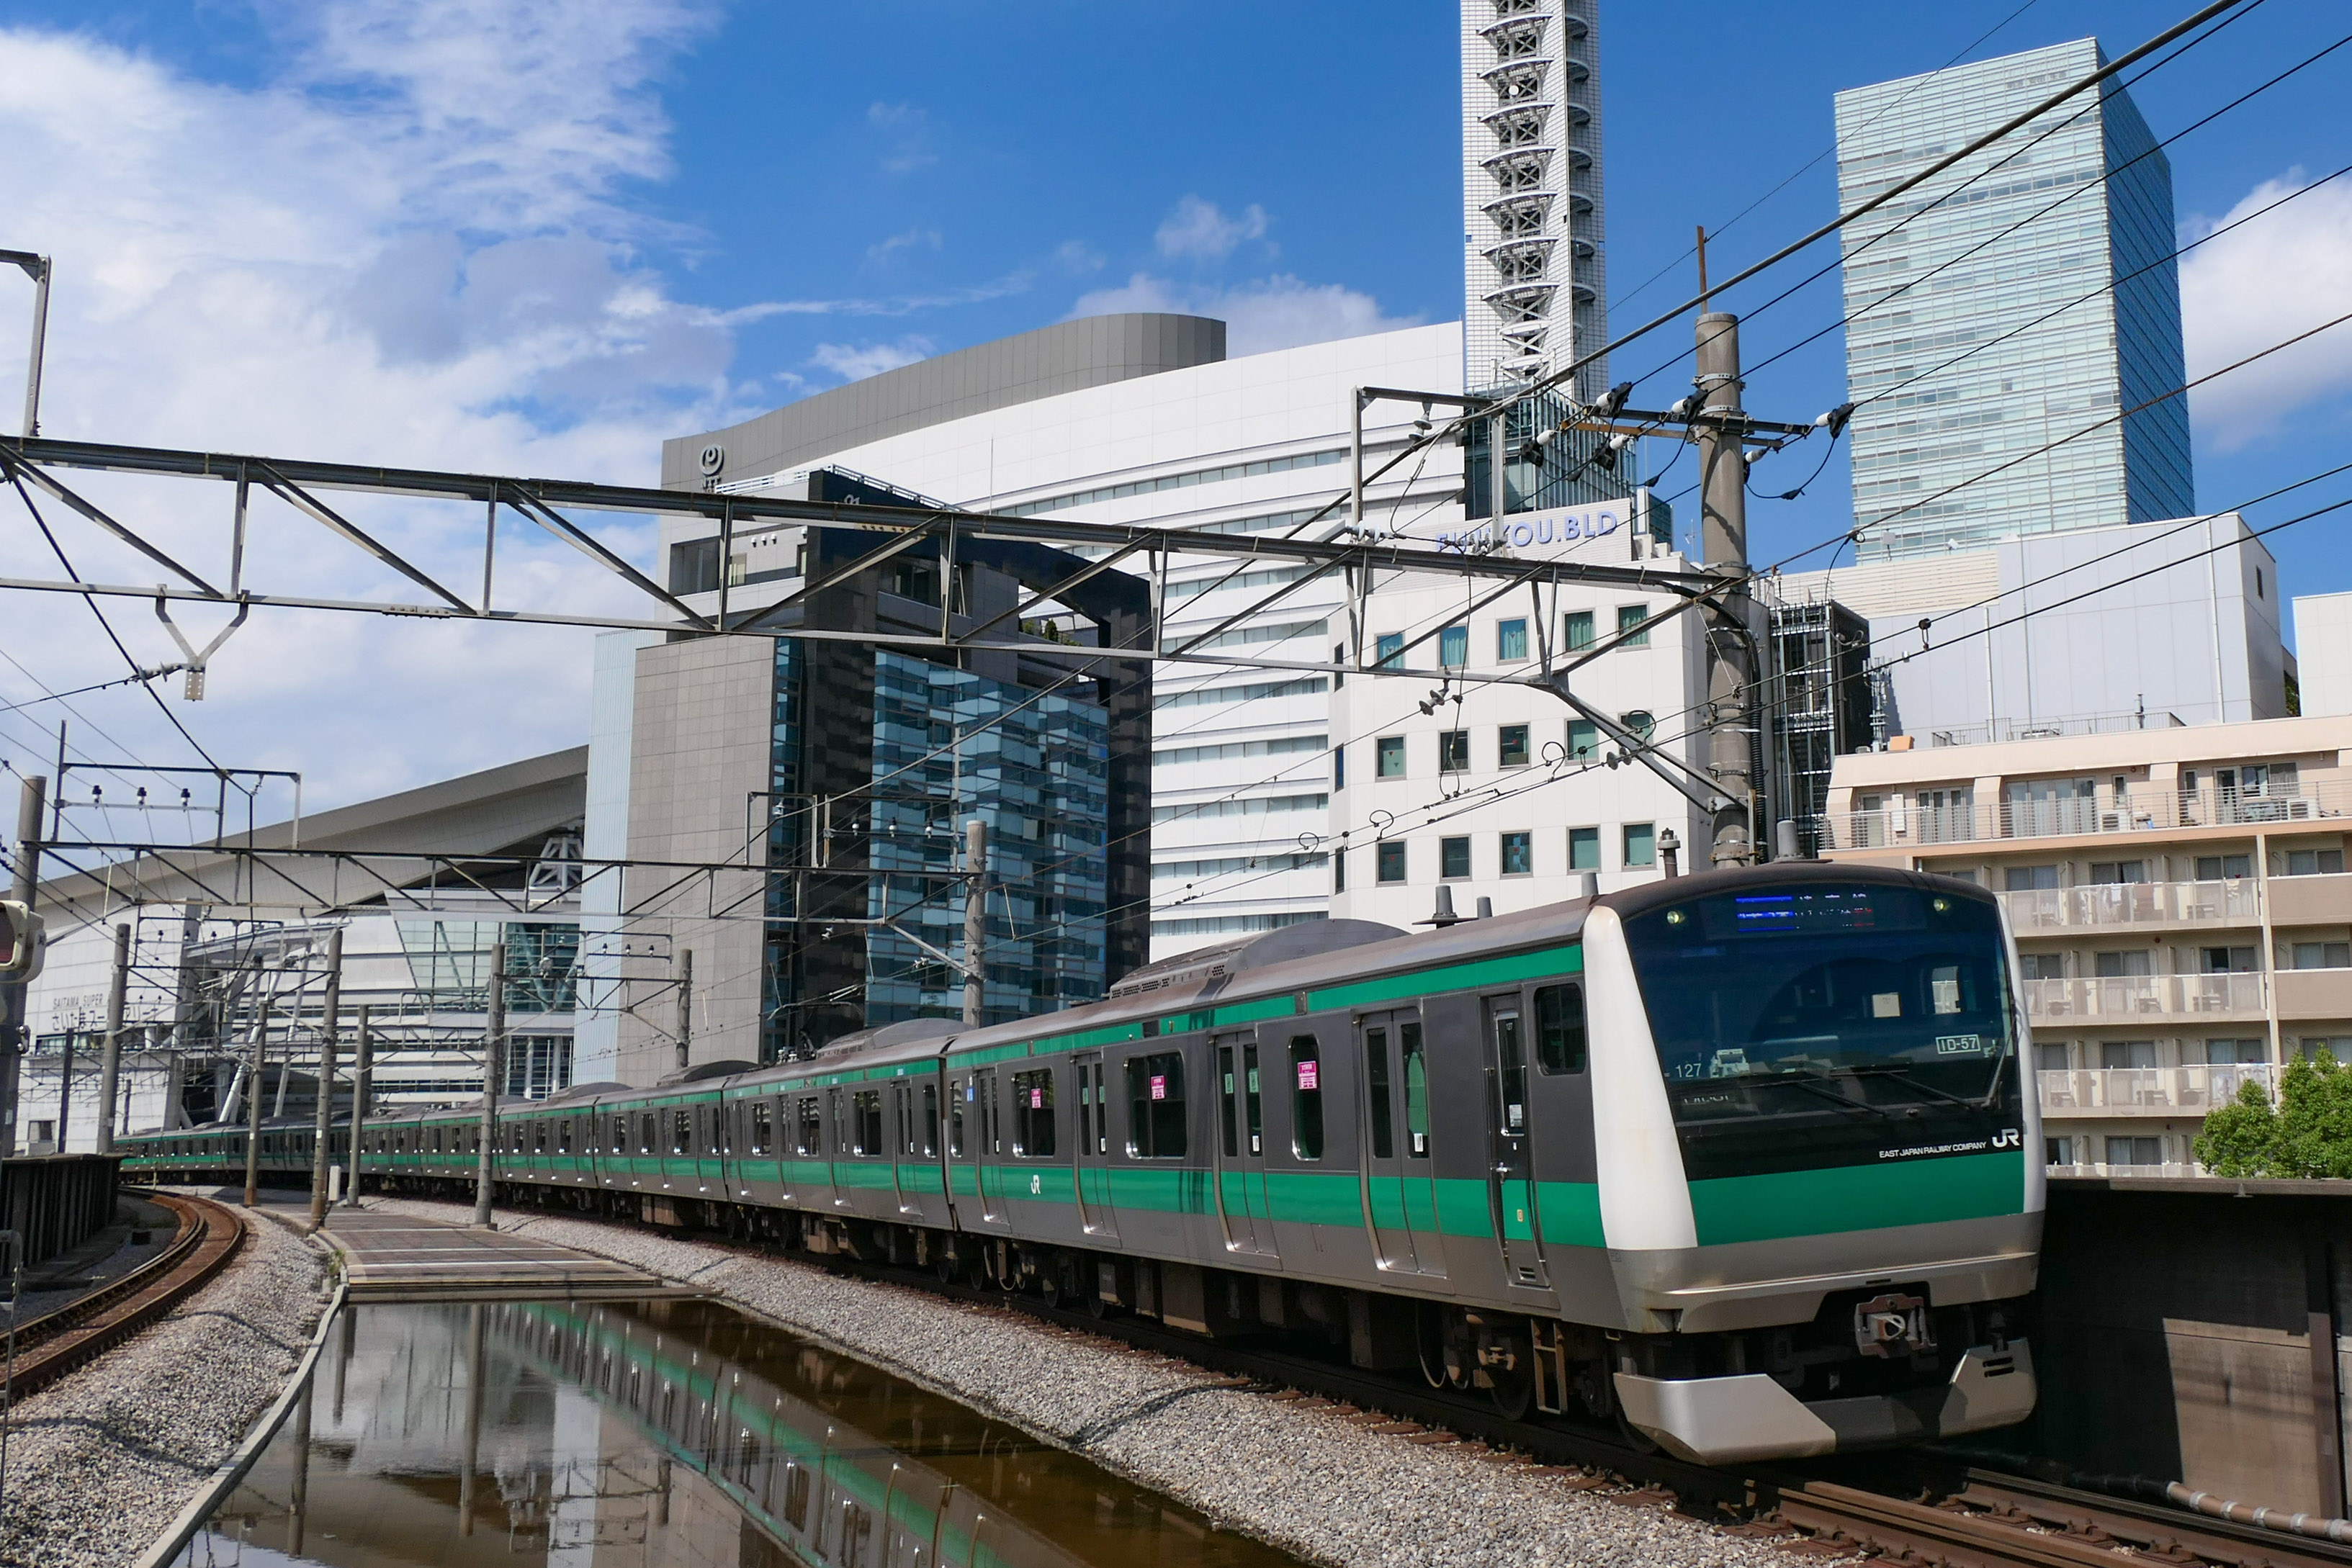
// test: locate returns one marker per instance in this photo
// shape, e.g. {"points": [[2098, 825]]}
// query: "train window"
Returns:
{"points": [[810, 1137], [1559, 1028], [646, 1133], [437, 1140], [1306, 1097], [904, 1109], [760, 1130], [866, 1113], [956, 1093], [1416, 1091], [1155, 1101], [794, 1511], [1376, 1085], [1033, 1113], [1511, 1068], [714, 1124], [1229, 1125], [620, 1134], [931, 1121], [563, 1136], [1252, 1101], [539, 1137]]}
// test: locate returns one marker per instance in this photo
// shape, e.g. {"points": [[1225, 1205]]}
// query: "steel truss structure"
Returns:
{"points": [[32, 468]]}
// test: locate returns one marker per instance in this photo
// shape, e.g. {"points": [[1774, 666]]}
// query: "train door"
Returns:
{"points": [[1510, 1185], [1091, 1150], [1400, 1195], [902, 1142], [991, 1140], [1241, 1147]]}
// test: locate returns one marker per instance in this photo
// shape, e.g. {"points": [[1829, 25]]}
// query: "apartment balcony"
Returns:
{"points": [[2147, 1091], [2146, 809], [2143, 905], [2130, 998]]}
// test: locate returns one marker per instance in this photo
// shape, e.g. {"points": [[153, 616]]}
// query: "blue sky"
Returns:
{"points": [[539, 237]]}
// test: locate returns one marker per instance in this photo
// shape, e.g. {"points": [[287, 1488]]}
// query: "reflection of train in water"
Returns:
{"points": [[1739, 1160], [842, 1463]]}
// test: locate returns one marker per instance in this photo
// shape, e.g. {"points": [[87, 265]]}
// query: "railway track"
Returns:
{"points": [[49, 1346], [1918, 1509]]}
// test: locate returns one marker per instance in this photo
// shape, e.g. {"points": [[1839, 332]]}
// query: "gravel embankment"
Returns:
{"points": [[101, 1461], [1308, 1481]]}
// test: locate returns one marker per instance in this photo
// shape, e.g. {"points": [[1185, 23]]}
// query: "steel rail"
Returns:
{"points": [[1993, 1520], [77, 1332]]}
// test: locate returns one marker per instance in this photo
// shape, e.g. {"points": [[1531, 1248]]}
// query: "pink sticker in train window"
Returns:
{"points": [[1036, 1098], [1159, 1087], [1309, 1073]]}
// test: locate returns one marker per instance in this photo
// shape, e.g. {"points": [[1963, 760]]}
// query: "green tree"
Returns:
{"points": [[2314, 1131], [2307, 1135], [2240, 1139]]}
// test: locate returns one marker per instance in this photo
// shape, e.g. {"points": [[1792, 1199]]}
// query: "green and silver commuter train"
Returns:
{"points": [[1742, 1161]]}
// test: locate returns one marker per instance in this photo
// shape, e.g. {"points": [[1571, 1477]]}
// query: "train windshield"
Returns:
{"points": [[1824, 998]]}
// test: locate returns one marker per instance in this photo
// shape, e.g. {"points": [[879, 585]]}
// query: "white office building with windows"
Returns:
{"points": [[1492, 789]]}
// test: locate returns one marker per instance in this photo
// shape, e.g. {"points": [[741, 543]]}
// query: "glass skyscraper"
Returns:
{"points": [[2038, 303]]}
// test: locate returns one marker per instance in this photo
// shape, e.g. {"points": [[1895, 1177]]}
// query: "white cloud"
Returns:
{"points": [[1269, 313], [927, 239], [856, 362], [2280, 275], [908, 129], [1202, 231], [408, 247]]}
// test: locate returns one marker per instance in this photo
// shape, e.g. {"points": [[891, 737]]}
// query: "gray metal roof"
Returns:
{"points": [[1069, 356]]}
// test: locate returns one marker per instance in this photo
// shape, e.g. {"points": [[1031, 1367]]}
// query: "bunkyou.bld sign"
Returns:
{"points": [[1633, 529]]}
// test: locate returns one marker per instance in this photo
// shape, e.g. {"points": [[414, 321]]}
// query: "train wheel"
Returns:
{"points": [[1641, 1442], [1510, 1373]]}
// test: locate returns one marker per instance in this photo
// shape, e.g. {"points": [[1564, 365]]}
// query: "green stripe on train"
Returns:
{"points": [[1509, 969], [1858, 1198]]}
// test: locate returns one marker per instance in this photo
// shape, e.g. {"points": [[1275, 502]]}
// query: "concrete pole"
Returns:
{"points": [[685, 1006], [15, 1029], [253, 1106], [362, 1073], [65, 1090], [493, 1075], [976, 917], [320, 1158], [110, 1075], [1730, 647]]}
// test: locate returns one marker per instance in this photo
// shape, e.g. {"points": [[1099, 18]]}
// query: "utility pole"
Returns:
{"points": [[320, 1158], [1722, 428], [110, 1072], [493, 1038], [253, 1106], [65, 1090], [975, 916], [684, 1005], [362, 1073], [16, 1027]]}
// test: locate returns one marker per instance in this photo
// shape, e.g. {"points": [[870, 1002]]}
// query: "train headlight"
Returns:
{"points": [[1675, 916]]}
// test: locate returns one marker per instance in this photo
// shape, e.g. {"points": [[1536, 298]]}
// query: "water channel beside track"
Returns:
{"points": [[674, 1430]]}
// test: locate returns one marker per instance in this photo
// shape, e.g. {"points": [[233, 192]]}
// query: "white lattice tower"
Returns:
{"points": [[1531, 205]]}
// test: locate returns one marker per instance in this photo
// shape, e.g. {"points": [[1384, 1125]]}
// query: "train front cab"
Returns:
{"points": [[1815, 1173]]}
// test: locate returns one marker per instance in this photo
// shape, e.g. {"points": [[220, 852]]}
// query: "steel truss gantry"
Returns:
{"points": [[32, 467]]}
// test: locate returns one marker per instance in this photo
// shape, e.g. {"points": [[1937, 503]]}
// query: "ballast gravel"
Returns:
{"points": [[1299, 1476], [101, 1461]]}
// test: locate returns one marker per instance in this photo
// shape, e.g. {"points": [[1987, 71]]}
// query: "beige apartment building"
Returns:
{"points": [[2181, 901]]}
